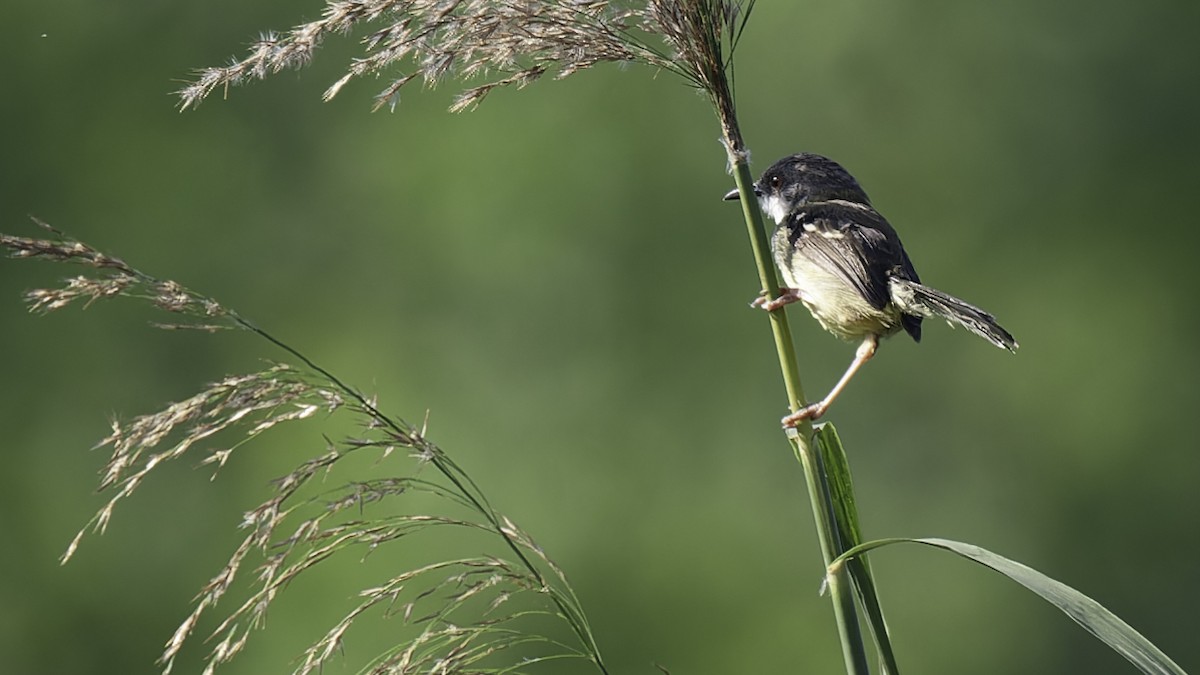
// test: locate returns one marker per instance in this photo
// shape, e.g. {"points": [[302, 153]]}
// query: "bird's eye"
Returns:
{"points": [[776, 182]]}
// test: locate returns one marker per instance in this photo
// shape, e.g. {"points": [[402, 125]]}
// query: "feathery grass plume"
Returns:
{"points": [[501, 42], [486, 613], [117, 279]]}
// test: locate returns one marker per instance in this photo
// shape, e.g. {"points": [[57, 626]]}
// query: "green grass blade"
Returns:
{"points": [[1097, 620], [841, 496]]}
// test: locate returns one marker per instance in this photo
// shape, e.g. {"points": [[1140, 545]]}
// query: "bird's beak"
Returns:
{"points": [[734, 194]]}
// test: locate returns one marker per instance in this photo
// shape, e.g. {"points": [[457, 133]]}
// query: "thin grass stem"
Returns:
{"points": [[840, 588], [465, 486]]}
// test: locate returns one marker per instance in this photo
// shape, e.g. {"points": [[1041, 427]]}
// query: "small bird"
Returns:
{"points": [[842, 259]]}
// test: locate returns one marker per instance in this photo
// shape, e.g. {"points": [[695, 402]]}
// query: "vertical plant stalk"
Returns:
{"points": [[703, 43], [840, 590]]}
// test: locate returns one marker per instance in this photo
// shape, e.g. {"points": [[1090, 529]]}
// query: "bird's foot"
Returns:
{"points": [[811, 412], [786, 297]]}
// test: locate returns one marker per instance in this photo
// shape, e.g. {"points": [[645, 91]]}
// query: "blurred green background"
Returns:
{"points": [[555, 278]]}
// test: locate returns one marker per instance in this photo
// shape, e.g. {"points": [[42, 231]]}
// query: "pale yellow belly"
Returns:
{"points": [[836, 305]]}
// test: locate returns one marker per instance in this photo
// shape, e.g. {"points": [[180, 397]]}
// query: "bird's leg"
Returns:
{"points": [[815, 410], [786, 297]]}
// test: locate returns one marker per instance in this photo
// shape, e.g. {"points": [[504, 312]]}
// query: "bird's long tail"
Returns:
{"points": [[921, 300]]}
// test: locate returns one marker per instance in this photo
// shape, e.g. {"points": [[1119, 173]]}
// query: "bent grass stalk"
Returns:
{"points": [[459, 604]]}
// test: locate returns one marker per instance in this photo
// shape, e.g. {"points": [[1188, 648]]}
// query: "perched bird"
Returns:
{"points": [[842, 259]]}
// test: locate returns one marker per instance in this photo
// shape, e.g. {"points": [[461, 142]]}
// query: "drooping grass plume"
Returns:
{"points": [[488, 44], [470, 614]]}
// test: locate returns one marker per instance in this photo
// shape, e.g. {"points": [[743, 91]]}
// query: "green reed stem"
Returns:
{"points": [[840, 588]]}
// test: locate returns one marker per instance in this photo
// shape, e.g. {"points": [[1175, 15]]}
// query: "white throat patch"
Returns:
{"points": [[775, 207]]}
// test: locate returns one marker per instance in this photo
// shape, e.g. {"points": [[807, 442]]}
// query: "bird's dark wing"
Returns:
{"points": [[854, 242]]}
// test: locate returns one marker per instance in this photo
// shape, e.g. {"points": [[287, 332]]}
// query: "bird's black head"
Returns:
{"points": [[799, 179]]}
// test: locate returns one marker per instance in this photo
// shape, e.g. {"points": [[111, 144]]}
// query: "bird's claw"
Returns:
{"points": [[811, 412], [786, 297]]}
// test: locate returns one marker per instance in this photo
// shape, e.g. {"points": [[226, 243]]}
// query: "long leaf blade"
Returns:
{"points": [[841, 496], [1094, 617]]}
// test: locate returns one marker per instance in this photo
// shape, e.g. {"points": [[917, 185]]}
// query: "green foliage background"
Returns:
{"points": [[555, 278]]}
